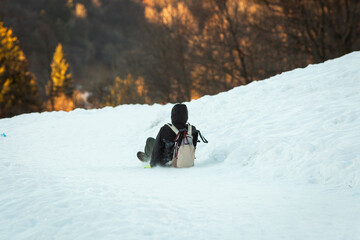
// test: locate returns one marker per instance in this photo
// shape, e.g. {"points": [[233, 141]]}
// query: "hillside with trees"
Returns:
{"points": [[146, 51]]}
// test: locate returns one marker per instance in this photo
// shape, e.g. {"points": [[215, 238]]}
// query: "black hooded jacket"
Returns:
{"points": [[164, 143]]}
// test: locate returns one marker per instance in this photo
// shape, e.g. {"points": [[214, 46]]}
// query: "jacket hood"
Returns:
{"points": [[179, 114]]}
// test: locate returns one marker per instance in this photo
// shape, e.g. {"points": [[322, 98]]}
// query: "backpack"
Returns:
{"points": [[184, 150]]}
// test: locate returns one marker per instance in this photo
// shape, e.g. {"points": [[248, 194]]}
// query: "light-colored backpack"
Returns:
{"points": [[184, 150]]}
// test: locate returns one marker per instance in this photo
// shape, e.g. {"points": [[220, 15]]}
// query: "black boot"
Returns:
{"points": [[142, 157]]}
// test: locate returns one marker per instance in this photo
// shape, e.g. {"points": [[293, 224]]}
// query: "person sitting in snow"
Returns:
{"points": [[160, 151]]}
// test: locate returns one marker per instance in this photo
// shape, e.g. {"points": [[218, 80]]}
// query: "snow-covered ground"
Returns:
{"points": [[283, 162]]}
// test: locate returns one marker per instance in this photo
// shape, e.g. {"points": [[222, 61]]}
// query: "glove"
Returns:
{"points": [[148, 166]]}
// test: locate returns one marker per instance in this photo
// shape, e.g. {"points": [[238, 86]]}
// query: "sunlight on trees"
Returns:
{"points": [[176, 27], [171, 15], [18, 88], [80, 10], [127, 91], [173, 50], [61, 103], [60, 86], [157, 3], [96, 3], [70, 4], [208, 52]]}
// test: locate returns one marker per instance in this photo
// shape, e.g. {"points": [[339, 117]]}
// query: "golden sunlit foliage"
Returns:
{"points": [[205, 54], [126, 91], [175, 16], [65, 103], [18, 89], [60, 86], [80, 10], [96, 3], [60, 103], [70, 4], [155, 3]]}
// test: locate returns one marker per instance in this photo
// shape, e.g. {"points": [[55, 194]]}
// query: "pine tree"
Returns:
{"points": [[60, 86], [18, 89]]}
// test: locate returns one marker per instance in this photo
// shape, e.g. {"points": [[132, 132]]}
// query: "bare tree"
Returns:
{"points": [[174, 26], [322, 29]]}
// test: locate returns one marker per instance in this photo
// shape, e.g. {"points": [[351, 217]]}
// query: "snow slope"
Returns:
{"points": [[283, 162]]}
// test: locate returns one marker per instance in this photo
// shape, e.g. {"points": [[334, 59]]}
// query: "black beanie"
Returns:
{"points": [[179, 114]]}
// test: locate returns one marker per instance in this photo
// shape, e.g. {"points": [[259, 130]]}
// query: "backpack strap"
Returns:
{"points": [[202, 137], [176, 131], [189, 129]]}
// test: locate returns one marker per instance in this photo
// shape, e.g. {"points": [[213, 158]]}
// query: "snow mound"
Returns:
{"points": [[282, 162], [303, 124]]}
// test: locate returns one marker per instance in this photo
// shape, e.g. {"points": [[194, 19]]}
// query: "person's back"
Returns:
{"points": [[164, 144]]}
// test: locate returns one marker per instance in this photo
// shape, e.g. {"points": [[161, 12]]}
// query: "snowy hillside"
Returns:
{"points": [[283, 162]]}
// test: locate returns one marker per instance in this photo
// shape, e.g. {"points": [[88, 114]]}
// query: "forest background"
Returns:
{"points": [[65, 54]]}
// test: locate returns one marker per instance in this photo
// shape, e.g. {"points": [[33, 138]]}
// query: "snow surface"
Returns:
{"points": [[283, 162]]}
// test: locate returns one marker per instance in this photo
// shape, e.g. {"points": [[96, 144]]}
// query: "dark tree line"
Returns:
{"points": [[130, 51]]}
